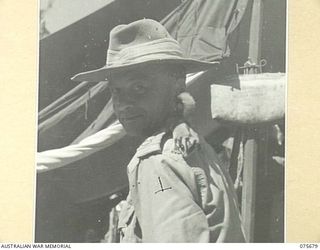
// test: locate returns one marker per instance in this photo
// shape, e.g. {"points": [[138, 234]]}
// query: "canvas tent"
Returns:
{"points": [[86, 108]]}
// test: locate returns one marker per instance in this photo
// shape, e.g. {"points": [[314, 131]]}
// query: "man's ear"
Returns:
{"points": [[188, 104]]}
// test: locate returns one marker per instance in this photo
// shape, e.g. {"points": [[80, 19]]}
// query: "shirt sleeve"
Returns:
{"points": [[169, 202]]}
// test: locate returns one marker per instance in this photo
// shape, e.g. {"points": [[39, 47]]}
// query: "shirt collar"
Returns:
{"points": [[150, 145]]}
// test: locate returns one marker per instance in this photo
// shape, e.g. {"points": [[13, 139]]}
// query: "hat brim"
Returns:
{"points": [[190, 65]]}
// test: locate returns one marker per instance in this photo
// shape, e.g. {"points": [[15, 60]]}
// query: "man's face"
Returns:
{"points": [[143, 98]]}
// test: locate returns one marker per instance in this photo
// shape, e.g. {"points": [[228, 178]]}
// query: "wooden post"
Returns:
{"points": [[249, 188], [251, 147], [255, 33]]}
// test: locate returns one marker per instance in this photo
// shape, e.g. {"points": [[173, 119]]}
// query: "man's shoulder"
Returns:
{"points": [[163, 147], [157, 147]]}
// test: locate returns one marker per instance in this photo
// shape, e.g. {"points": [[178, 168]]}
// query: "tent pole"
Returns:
{"points": [[251, 145], [255, 34]]}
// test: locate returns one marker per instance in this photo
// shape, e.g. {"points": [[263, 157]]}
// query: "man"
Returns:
{"points": [[177, 194]]}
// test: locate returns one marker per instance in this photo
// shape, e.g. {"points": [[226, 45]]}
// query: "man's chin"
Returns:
{"points": [[132, 131], [138, 131]]}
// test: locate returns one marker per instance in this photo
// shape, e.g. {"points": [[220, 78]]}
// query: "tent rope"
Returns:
{"points": [[57, 158]]}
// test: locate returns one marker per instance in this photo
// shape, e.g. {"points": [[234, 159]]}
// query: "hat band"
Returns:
{"points": [[165, 48]]}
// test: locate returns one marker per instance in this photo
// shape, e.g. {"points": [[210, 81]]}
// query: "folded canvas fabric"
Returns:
{"points": [[260, 98]]}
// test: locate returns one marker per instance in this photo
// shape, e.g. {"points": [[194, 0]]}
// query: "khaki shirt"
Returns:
{"points": [[179, 199]]}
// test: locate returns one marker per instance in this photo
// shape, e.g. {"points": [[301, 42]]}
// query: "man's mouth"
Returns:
{"points": [[130, 118]]}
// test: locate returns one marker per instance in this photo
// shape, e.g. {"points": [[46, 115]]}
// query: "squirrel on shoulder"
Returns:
{"points": [[185, 138]]}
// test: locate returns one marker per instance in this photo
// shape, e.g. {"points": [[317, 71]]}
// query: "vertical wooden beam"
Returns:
{"points": [[256, 32], [251, 147], [249, 188]]}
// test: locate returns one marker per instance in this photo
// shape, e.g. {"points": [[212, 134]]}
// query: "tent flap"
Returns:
{"points": [[202, 26]]}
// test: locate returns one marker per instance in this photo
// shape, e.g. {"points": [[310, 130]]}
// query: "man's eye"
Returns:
{"points": [[139, 89]]}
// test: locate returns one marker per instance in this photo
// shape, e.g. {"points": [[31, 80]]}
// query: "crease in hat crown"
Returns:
{"points": [[156, 49], [142, 41]]}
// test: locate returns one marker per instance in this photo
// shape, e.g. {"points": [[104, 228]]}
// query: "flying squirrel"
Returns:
{"points": [[185, 138]]}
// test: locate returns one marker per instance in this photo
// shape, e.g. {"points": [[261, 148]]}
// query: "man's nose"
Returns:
{"points": [[122, 101]]}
